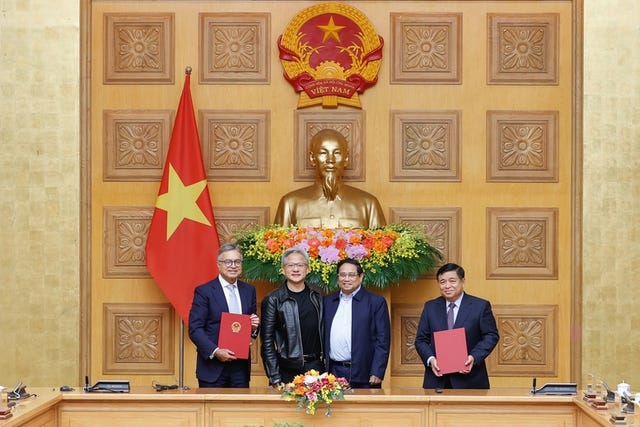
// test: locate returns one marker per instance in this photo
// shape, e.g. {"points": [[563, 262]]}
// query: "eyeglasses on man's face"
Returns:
{"points": [[295, 265], [349, 275], [230, 262]]}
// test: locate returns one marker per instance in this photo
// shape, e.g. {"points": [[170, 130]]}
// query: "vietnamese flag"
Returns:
{"points": [[182, 244]]}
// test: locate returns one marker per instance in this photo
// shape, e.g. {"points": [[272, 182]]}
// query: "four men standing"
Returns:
{"points": [[346, 333]]}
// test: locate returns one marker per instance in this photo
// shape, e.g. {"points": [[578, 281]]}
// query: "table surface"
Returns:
{"points": [[45, 398]]}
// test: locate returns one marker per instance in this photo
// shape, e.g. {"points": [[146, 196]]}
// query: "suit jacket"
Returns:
{"points": [[370, 333], [204, 324], [476, 317]]}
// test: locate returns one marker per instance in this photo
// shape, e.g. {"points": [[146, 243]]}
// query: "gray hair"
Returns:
{"points": [[229, 247], [296, 250]]}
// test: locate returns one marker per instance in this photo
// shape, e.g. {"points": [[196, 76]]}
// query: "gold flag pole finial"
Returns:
{"points": [[188, 70]]}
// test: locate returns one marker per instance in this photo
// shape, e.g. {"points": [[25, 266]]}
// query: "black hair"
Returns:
{"points": [[352, 262], [451, 267]]}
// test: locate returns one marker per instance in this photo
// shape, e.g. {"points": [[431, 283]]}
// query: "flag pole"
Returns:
{"points": [[187, 70], [181, 359]]}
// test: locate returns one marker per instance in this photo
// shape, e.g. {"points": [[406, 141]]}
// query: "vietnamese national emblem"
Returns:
{"points": [[330, 53], [236, 327]]}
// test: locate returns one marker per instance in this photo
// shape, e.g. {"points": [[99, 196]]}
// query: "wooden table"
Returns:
{"points": [[401, 407]]}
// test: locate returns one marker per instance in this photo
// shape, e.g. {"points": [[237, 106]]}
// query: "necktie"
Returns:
{"points": [[450, 319], [234, 305]]}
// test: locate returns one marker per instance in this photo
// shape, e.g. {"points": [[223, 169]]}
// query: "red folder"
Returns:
{"points": [[451, 350], [235, 333]]}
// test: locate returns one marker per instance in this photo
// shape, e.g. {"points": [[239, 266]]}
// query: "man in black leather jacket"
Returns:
{"points": [[292, 323]]}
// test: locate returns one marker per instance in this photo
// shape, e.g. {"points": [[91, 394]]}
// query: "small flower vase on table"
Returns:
{"points": [[312, 389]]}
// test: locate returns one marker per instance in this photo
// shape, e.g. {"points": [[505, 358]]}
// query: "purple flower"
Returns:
{"points": [[356, 251], [304, 245], [330, 254]]}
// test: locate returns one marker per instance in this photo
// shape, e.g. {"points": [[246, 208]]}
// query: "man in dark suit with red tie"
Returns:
{"points": [[357, 330], [456, 309], [219, 367]]}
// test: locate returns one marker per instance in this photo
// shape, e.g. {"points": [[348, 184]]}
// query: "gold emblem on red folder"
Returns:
{"points": [[236, 327], [330, 53]]}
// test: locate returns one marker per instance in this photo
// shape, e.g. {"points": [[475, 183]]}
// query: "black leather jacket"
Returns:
{"points": [[280, 331]]}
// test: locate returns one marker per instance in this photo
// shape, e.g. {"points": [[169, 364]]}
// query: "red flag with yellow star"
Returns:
{"points": [[182, 243]]}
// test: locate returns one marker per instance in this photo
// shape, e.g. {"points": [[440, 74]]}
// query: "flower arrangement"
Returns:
{"points": [[388, 254], [312, 388]]}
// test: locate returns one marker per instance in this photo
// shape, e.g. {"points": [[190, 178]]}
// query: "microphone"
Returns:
{"points": [[87, 387], [533, 387]]}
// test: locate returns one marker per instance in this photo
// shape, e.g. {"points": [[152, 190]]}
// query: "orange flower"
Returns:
{"points": [[388, 241], [314, 252], [328, 233], [379, 246], [273, 246], [355, 239]]}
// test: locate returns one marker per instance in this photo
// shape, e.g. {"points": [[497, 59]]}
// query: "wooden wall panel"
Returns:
{"points": [[470, 82]]}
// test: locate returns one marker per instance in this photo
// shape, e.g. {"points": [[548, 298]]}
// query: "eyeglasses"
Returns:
{"points": [[230, 262], [350, 275], [295, 265]]}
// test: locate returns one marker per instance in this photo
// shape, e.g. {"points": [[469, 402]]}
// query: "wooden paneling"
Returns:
{"points": [[132, 414], [474, 85]]}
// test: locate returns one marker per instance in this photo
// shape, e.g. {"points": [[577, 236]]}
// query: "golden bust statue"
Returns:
{"points": [[329, 203]]}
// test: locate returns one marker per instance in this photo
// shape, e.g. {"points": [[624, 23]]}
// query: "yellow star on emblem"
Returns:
{"points": [[180, 202], [331, 30]]}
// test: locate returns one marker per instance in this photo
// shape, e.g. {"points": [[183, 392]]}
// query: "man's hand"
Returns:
{"points": [[225, 355], [373, 380], [468, 365], [434, 367], [255, 322]]}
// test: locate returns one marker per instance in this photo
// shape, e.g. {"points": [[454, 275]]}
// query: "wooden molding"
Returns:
{"points": [[125, 238], [139, 48], [522, 49], [425, 145], [426, 48], [528, 343], [136, 144], [522, 146], [138, 338], [522, 243], [235, 48], [405, 360], [236, 144]]}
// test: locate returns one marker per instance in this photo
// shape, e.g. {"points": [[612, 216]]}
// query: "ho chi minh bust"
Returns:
{"points": [[329, 203]]}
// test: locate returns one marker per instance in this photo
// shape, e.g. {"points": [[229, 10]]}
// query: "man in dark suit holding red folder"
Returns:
{"points": [[456, 309], [219, 367]]}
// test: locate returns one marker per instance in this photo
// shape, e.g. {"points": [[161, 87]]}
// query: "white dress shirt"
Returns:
{"points": [[340, 337]]}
